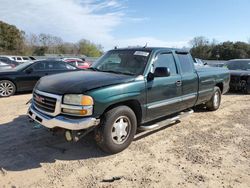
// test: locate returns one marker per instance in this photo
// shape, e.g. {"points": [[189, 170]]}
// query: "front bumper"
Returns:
{"points": [[62, 121]]}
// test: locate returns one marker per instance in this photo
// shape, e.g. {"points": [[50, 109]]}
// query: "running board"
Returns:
{"points": [[165, 122]]}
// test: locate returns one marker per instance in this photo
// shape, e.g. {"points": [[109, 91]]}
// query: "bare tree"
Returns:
{"points": [[199, 41]]}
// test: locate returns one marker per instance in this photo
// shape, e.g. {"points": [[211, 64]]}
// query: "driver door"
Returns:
{"points": [[31, 75], [164, 93]]}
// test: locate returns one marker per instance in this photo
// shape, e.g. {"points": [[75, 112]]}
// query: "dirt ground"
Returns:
{"points": [[206, 149]]}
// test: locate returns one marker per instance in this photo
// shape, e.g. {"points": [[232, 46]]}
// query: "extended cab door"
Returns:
{"points": [[164, 93], [189, 79]]}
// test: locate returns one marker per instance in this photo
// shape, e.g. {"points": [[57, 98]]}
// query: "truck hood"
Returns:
{"points": [[240, 73], [79, 82]]}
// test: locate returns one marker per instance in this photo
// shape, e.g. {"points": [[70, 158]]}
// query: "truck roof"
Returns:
{"points": [[153, 49]]}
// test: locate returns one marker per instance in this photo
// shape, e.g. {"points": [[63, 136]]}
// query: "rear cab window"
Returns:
{"points": [[186, 62]]}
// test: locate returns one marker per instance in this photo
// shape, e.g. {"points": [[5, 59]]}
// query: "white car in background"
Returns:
{"points": [[198, 63], [4, 66], [19, 59]]}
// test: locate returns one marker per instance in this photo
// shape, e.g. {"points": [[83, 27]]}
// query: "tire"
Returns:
{"points": [[7, 88], [214, 103], [245, 87], [117, 130]]}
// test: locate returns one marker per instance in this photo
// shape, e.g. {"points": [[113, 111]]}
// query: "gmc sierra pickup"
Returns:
{"points": [[124, 90]]}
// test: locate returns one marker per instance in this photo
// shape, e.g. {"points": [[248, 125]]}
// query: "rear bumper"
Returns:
{"points": [[62, 121]]}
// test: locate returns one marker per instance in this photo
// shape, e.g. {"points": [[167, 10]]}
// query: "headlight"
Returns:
{"points": [[80, 105], [78, 100]]}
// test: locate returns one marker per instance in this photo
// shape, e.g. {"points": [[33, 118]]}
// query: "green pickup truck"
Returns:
{"points": [[126, 90]]}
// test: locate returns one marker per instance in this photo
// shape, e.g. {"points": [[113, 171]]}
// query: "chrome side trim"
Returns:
{"points": [[172, 101], [187, 97], [206, 90], [207, 81], [58, 103], [165, 103]]}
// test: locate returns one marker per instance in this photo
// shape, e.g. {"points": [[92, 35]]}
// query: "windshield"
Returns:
{"points": [[239, 65], [131, 62], [22, 66]]}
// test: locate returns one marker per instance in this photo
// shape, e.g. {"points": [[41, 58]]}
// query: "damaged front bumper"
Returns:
{"points": [[61, 121]]}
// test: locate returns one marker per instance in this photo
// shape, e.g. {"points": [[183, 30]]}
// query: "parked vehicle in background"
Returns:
{"points": [[199, 63], [9, 61], [21, 59], [123, 90], [240, 75], [215, 63], [77, 62], [4, 66], [32, 58], [25, 76]]}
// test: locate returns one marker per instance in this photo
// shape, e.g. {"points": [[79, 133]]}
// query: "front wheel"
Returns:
{"points": [[117, 129], [215, 101], [7, 88]]}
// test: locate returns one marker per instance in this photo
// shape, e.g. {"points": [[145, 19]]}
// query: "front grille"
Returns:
{"points": [[44, 103]]}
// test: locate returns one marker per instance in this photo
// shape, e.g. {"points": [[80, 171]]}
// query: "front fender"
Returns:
{"points": [[105, 97]]}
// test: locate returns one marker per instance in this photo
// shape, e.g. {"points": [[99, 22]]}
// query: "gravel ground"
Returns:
{"points": [[206, 149]]}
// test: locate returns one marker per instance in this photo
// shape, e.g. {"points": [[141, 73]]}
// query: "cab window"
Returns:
{"points": [[186, 63], [166, 60]]}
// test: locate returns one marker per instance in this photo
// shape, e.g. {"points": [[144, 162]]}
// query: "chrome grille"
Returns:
{"points": [[44, 103]]}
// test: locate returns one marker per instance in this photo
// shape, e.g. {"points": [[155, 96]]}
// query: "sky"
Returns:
{"points": [[122, 23]]}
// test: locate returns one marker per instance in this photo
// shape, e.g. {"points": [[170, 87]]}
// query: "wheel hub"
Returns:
{"points": [[6, 89], [120, 130]]}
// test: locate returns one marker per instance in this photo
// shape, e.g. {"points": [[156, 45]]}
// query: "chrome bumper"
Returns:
{"points": [[62, 121]]}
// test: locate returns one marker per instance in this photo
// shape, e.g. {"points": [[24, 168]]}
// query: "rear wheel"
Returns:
{"points": [[7, 88], [117, 130], [215, 101], [245, 87]]}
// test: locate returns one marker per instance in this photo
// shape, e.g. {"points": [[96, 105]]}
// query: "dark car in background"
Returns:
{"points": [[240, 75], [25, 76]]}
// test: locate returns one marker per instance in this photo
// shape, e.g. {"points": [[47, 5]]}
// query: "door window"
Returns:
{"points": [[166, 60], [39, 66], [58, 65], [186, 63]]}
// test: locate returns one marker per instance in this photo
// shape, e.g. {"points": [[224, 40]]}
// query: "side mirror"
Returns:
{"points": [[29, 70], [162, 72]]}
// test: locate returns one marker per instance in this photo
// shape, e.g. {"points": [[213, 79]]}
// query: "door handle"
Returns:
{"points": [[178, 83]]}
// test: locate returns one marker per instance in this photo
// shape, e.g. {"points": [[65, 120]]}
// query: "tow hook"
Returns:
{"points": [[75, 136]]}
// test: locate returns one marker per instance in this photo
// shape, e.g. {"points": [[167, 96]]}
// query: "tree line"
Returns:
{"points": [[16, 42], [212, 50]]}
